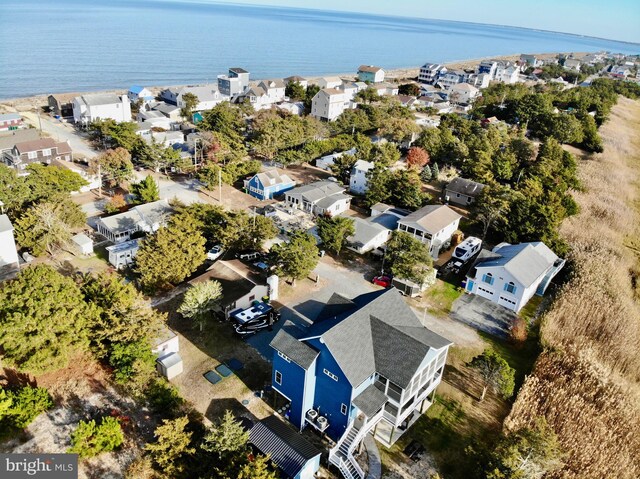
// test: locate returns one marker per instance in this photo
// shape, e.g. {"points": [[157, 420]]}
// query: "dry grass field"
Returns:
{"points": [[587, 382]]}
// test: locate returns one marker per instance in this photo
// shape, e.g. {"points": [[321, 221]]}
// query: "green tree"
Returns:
{"points": [[368, 95], [492, 204], [171, 254], [107, 132], [146, 190], [18, 408], [379, 179], [495, 372], [115, 166], [47, 182], [43, 319], [528, 453], [591, 139], [133, 364], [124, 316], [334, 231], [435, 171], [406, 189], [157, 157], [342, 167], [259, 468], [399, 129], [410, 89], [89, 439], [296, 258], [190, 101], [14, 192], [408, 258], [172, 444], [200, 300], [567, 128], [226, 438], [312, 90], [295, 91], [425, 174], [227, 121], [48, 226], [385, 154]]}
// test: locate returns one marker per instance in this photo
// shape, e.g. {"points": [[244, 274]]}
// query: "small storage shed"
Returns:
{"points": [[170, 365], [83, 243]]}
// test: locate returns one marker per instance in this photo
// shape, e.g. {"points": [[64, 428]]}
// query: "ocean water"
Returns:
{"points": [[51, 46]]}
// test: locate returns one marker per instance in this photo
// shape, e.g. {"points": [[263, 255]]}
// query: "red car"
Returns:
{"points": [[384, 281]]}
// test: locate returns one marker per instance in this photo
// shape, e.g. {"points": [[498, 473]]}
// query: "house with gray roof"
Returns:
{"points": [[512, 274], [101, 106], [366, 365], [269, 183], [433, 225], [463, 192], [374, 232], [319, 198], [147, 218]]}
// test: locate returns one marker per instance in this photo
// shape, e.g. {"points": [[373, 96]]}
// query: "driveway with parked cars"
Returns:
{"points": [[483, 315]]}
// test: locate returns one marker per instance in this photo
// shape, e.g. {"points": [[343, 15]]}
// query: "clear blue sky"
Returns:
{"points": [[613, 19]]}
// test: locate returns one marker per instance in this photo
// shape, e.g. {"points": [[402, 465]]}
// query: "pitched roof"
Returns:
{"points": [[298, 351], [238, 70], [364, 231], [363, 165], [100, 99], [273, 177], [286, 447], [370, 400], [465, 187], [10, 116], [10, 139], [235, 280], [331, 91], [136, 89], [203, 92], [151, 213], [526, 262], [431, 218], [380, 333], [266, 84], [314, 192], [465, 87], [369, 68], [295, 78], [35, 145]]}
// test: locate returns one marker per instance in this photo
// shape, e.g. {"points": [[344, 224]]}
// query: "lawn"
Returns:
{"points": [[439, 298]]}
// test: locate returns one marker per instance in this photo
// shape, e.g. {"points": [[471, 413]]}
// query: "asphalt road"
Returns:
{"points": [[61, 131]]}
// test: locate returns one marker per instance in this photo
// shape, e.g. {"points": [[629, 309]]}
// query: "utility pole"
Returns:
{"points": [[100, 180]]}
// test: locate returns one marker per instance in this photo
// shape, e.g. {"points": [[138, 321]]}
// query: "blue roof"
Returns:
{"points": [[388, 221], [136, 89]]}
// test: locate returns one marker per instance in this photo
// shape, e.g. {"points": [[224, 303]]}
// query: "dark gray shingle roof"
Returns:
{"points": [[370, 400], [299, 352], [286, 447], [465, 187]]}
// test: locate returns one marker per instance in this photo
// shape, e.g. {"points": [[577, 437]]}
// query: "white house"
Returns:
{"points": [[508, 74], [122, 254], [463, 93], [93, 180], [88, 108], [450, 78], [319, 198], [374, 232], [8, 252], [208, 96], [165, 138], [138, 92], [385, 88], [265, 93], [296, 79], [358, 181], [511, 274], [148, 218], [572, 64], [431, 72], [370, 73], [329, 82], [433, 225], [326, 161], [328, 104]]}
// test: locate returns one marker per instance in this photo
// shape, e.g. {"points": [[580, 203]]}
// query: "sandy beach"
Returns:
{"points": [[33, 103]]}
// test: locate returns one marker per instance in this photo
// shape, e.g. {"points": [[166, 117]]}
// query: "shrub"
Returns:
{"points": [[163, 397], [27, 403], [89, 440], [518, 331]]}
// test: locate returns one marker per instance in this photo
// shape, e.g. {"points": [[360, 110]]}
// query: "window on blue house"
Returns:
{"points": [[510, 287], [330, 374], [278, 377], [487, 278], [343, 409]]}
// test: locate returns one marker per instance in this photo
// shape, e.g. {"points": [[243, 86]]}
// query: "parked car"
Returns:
{"points": [[215, 252], [247, 255], [384, 281]]}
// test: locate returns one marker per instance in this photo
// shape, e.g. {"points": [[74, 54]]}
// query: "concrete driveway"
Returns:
{"points": [[483, 315]]}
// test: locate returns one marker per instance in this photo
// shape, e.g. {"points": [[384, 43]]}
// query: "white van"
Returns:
{"points": [[467, 249]]}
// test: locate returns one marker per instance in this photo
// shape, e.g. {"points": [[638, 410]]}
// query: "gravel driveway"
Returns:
{"points": [[483, 315]]}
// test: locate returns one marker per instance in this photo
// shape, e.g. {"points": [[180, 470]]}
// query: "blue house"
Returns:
{"points": [[267, 184], [296, 457], [366, 365]]}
